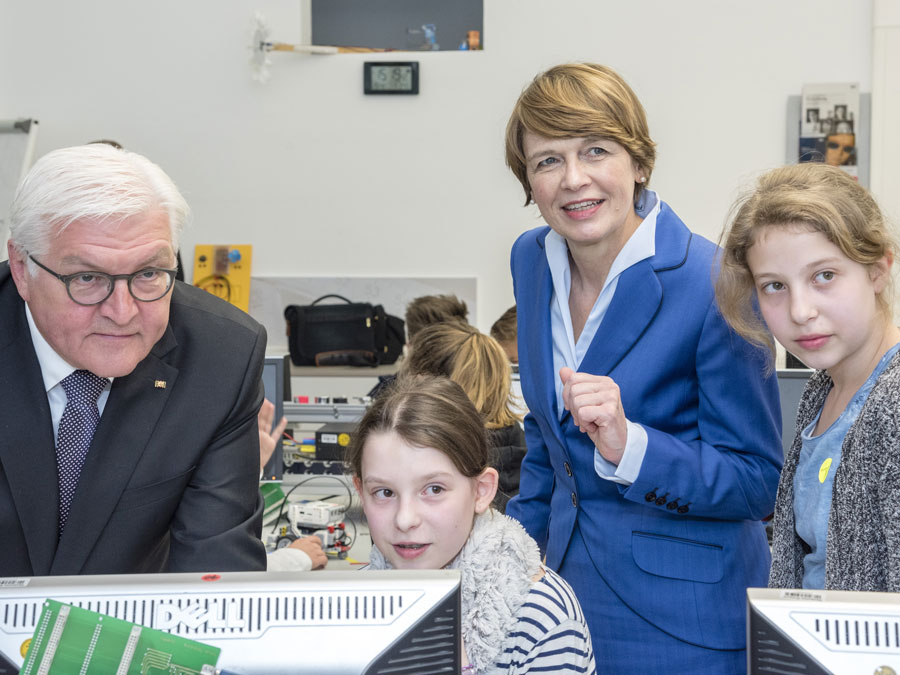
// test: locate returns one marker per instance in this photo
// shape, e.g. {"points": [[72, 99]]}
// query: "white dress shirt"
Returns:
{"points": [[54, 369]]}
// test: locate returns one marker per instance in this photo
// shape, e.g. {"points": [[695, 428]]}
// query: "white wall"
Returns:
{"points": [[325, 181], [886, 106]]}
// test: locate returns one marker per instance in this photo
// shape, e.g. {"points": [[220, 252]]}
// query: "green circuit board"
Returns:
{"points": [[70, 640]]}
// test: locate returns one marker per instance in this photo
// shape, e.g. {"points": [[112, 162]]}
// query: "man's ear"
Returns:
{"points": [[880, 272], [485, 489], [18, 269]]}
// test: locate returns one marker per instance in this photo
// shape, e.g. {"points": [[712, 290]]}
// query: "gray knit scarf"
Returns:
{"points": [[497, 565]]}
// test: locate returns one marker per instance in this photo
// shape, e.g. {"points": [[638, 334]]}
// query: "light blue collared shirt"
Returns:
{"points": [[567, 352], [54, 369]]}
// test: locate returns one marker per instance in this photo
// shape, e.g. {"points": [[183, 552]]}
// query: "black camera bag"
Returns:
{"points": [[348, 334]]}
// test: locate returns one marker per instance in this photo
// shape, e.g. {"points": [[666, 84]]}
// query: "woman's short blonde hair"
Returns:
{"points": [[576, 100], [473, 360], [813, 196]]}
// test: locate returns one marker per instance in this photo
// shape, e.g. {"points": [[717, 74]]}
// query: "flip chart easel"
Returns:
{"points": [[17, 142]]}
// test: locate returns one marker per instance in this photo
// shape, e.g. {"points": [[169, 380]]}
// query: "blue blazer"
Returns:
{"points": [[681, 544]]}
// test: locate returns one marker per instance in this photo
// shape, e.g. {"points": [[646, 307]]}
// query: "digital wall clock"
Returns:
{"points": [[391, 77]]}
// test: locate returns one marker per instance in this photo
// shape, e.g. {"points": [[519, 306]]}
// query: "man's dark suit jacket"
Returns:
{"points": [[170, 482]]}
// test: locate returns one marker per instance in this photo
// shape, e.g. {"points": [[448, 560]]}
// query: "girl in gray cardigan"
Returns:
{"points": [[808, 255]]}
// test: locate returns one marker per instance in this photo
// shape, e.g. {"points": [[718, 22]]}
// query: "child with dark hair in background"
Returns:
{"points": [[504, 331], [812, 251], [419, 461], [478, 364], [426, 310]]}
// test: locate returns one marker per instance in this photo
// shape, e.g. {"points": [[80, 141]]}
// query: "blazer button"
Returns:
{"points": [[672, 505], [650, 496], [661, 500], [683, 509], [574, 500], [568, 469]]}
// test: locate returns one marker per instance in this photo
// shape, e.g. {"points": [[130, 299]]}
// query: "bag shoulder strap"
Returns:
{"points": [[332, 295]]}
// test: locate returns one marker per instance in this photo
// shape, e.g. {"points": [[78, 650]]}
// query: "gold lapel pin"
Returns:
{"points": [[160, 384]]}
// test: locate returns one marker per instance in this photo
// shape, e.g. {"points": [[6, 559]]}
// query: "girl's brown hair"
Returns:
{"points": [[426, 412], [810, 196]]}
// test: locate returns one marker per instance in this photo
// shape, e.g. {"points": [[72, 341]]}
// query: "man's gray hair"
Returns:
{"points": [[97, 183]]}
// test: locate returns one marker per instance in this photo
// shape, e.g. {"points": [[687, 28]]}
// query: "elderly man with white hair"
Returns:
{"points": [[128, 432]]}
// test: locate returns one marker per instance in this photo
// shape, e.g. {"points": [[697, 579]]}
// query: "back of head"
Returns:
{"points": [[504, 328], [431, 309], [475, 361], [811, 196], [576, 100], [427, 412], [97, 183]]}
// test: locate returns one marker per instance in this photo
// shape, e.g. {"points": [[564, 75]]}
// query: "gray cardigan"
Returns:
{"points": [[863, 545]]}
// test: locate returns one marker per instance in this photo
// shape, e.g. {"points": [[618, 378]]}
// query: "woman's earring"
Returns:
{"points": [[643, 179], [531, 202]]}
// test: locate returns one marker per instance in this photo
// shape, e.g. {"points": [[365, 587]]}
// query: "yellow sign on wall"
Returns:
{"points": [[224, 271]]}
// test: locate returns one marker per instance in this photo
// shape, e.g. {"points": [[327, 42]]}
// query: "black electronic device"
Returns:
{"points": [[332, 440], [791, 384], [391, 77], [277, 385], [286, 389]]}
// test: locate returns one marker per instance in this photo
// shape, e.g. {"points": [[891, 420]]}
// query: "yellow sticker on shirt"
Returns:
{"points": [[823, 470]]}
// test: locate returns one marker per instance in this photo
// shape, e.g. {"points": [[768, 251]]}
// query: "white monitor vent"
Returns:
{"points": [[848, 632], [228, 614]]}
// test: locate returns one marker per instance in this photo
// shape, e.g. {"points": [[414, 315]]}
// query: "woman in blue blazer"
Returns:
{"points": [[654, 434]]}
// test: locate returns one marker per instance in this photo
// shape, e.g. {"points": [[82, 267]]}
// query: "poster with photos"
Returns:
{"points": [[829, 114]]}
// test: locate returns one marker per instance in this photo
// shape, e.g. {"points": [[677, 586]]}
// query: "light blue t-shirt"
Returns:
{"points": [[820, 457]]}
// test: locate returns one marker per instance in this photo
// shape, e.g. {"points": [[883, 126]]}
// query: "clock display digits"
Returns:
{"points": [[381, 77]]}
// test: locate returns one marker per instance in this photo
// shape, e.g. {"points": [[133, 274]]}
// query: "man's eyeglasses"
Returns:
{"points": [[92, 288]]}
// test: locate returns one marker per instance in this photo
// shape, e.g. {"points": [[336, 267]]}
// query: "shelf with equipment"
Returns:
{"points": [[321, 413]]}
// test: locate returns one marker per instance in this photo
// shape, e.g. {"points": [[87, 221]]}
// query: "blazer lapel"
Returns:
{"points": [[132, 411], [638, 296], [27, 450], [633, 307]]}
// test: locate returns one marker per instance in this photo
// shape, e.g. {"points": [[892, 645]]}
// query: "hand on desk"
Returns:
{"points": [[268, 440], [311, 546]]}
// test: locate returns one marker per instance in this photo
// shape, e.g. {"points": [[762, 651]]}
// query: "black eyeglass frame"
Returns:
{"points": [[111, 281]]}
